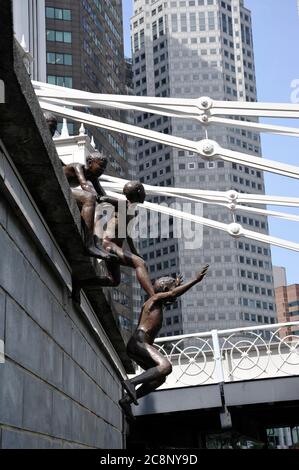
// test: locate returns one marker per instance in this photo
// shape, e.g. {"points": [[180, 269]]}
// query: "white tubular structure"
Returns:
{"points": [[116, 184], [203, 109], [185, 106], [207, 149], [54, 98], [208, 196], [251, 126], [235, 230]]}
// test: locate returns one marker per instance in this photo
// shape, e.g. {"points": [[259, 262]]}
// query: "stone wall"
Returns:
{"points": [[58, 386], [64, 362]]}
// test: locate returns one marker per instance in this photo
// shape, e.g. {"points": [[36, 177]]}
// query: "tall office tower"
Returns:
{"points": [[85, 51], [29, 26], [187, 49], [287, 300], [84, 41]]}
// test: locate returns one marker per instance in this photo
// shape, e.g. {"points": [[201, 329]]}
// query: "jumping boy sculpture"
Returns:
{"points": [[140, 347]]}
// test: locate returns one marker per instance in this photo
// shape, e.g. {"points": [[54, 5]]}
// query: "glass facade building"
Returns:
{"points": [[188, 49]]}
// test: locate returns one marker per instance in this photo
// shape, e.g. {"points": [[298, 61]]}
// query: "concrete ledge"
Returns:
{"points": [[180, 399], [236, 394], [271, 390], [28, 142]]}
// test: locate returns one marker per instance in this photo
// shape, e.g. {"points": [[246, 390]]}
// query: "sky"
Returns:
{"points": [[276, 38]]}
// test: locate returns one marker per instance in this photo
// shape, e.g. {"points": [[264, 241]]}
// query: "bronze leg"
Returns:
{"points": [[128, 259], [87, 201]]}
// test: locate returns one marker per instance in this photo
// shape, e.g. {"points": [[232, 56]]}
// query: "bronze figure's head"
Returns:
{"points": [[96, 163], [134, 191]]}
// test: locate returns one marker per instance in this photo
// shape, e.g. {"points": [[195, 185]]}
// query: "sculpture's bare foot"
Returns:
{"points": [[126, 407], [130, 389]]}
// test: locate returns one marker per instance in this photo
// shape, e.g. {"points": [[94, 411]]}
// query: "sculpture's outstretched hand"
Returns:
{"points": [[202, 273], [179, 280]]}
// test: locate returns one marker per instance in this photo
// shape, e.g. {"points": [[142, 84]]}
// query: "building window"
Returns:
{"points": [[183, 22], [60, 81], [202, 21], [59, 36], [224, 23], [293, 313], [211, 20], [192, 22], [59, 59], [58, 13]]}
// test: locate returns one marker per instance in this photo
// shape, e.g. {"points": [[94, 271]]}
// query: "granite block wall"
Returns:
{"points": [[58, 387]]}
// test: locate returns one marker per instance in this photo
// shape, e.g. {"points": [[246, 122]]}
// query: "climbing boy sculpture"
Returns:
{"points": [[86, 188]]}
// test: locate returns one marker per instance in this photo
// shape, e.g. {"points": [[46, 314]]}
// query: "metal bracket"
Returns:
{"points": [[205, 102], [235, 230], [225, 416], [208, 149], [225, 419], [204, 119]]}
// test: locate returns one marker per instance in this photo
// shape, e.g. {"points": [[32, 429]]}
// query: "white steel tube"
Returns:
{"points": [[207, 334]]}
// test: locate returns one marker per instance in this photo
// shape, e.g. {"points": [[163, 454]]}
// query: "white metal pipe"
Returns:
{"points": [[54, 91], [292, 114], [219, 374], [216, 196], [215, 107], [259, 163], [117, 126], [255, 210], [258, 127], [178, 142], [273, 326], [186, 113], [217, 225], [283, 215]]}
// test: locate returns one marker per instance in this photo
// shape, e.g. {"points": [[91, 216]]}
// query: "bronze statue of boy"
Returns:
{"points": [[113, 239], [140, 347], [85, 186]]}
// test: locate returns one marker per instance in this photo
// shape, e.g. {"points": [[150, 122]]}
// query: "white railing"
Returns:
{"points": [[217, 356]]}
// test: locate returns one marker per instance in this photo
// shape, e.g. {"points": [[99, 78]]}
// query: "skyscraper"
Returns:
{"points": [[187, 49], [287, 301], [29, 26], [85, 51]]}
